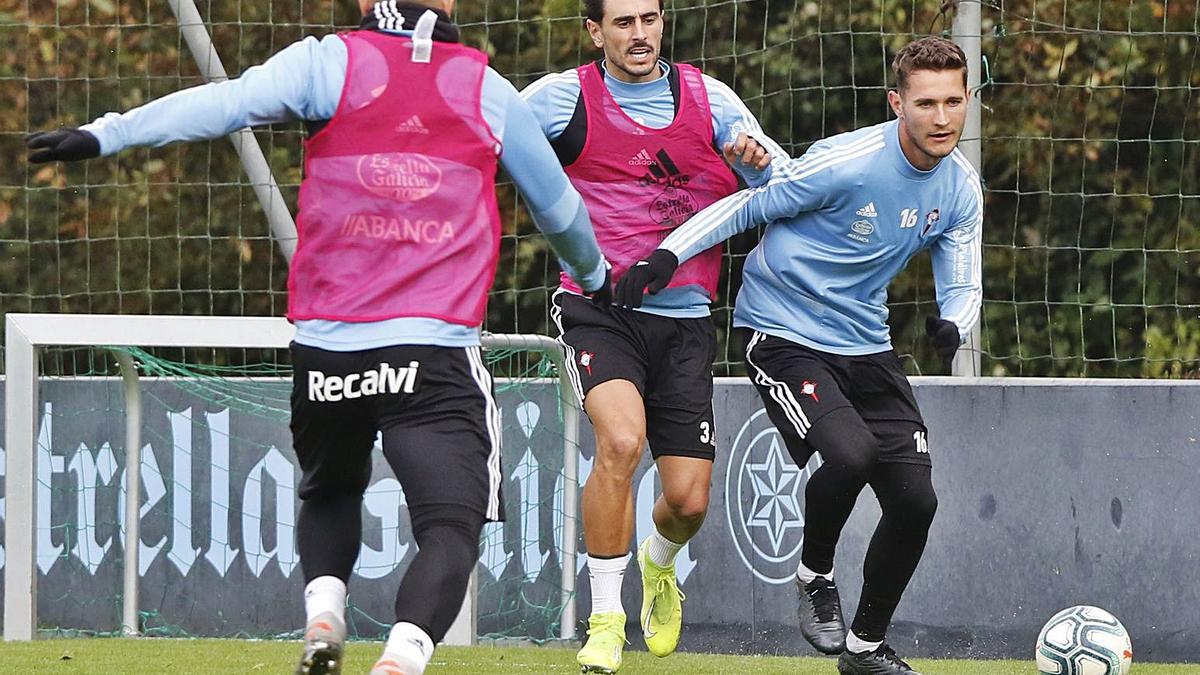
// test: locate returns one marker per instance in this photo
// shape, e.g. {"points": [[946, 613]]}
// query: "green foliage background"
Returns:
{"points": [[1091, 160]]}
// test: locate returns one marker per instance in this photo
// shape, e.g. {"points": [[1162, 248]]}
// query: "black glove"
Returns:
{"points": [[649, 275], [603, 296], [64, 145], [944, 336]]}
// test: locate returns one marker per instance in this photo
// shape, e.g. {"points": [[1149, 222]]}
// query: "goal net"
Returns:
{"points": [[216, 513]]}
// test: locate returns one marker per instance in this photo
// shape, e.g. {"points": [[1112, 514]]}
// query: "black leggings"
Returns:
{"points": [[906, 496], [431, 593], [850, 454]]}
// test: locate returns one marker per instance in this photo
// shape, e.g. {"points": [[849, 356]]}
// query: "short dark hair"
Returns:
{"points": [[594, 9], [928, 53]]}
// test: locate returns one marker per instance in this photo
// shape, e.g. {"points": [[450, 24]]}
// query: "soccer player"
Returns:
{"points": [[639, 138], [843, 220], [399, 234]]}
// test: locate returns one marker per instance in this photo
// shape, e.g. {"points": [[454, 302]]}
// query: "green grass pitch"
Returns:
{"points": [[159, 655]]}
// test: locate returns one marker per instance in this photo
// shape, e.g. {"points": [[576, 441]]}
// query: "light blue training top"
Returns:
{"points": [[553, 98], [304, 82], [844, 219]]}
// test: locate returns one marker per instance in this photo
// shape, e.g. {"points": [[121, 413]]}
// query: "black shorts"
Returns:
{"points": [[434, 407], [668, 360], [799, 386]]}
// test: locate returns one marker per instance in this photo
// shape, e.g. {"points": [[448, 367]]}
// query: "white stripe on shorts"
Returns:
{"points": [[572, 370], [483, 378], [779, 391]]}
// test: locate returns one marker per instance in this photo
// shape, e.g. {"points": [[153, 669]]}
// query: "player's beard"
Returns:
{"points": [[935, 152], [942, 149], [639, 70]]}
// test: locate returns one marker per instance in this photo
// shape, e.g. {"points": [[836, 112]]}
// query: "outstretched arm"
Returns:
{"points": [[303, 81], [800, 185], [556, 207]]}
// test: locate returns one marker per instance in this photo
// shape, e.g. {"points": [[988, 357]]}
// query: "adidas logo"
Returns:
{"points": [[643, 158], [661, 170], [412, 125], [867, 211]]}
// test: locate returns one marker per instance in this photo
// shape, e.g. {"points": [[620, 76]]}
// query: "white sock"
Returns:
{"points": [[409, 646], [806, 575], [606, 575], [662, 551], [858, 645], [325, 594]]}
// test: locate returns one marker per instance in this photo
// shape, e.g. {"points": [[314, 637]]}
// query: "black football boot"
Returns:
{"points": [[820, 615], [882, 661]]}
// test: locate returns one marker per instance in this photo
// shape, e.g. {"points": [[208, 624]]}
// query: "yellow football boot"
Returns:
{"points": [[662, 604], [605, 643]]}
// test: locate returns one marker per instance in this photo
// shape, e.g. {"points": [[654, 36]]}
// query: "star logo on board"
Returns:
{"points": [[763, 505], [776, 506]]}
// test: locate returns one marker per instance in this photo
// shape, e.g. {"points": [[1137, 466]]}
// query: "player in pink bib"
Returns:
{"points": [[398, 240], [638, 138]]}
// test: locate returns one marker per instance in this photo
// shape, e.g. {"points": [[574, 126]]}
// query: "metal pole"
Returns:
{"points": [[133, 491], [20, 522], [570, 407], [283, 227], [968, 34], [570, 536]]}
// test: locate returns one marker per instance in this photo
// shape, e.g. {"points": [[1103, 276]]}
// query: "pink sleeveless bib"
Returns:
{"points": [[639, 183], [398, 210]]}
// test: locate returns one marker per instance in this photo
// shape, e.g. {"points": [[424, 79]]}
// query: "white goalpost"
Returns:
{"points": [[27, 334]]}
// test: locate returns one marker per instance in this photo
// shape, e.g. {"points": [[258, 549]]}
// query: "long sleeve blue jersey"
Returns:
{"points": [[304, 82], [553, 99], [842, 221]]}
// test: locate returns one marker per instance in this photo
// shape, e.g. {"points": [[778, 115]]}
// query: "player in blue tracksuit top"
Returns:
{"points": [[437, 414], [843, 220], [304, 82]]}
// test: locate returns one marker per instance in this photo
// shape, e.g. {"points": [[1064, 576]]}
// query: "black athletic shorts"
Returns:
{"points": [[799, 386], [434, 407], [668, 360]]}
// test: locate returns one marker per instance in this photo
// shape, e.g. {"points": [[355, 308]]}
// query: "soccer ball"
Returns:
{"points": [[1083, 640]]}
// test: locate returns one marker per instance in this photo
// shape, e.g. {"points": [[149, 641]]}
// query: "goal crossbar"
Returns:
{"points": [[26, 334]]}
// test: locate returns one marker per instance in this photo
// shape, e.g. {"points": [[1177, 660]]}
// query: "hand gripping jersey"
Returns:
{"points": [[398, 210], [640, 183]]}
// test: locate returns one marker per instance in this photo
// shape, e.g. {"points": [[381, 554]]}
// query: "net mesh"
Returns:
{"points": [[219, 504], [1091, 149], [1090, 137]]}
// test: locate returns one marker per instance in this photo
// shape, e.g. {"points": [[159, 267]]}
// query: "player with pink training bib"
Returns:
{"points": [[398, 240], [648, 144]]}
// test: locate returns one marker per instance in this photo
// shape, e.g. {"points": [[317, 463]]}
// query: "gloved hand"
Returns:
{"points": [[945, 338], [649, 275], [63, 145], [603, 296]]}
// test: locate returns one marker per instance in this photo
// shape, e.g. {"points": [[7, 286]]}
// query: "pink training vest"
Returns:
{"points": [[398, 205], [640, 183]]}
